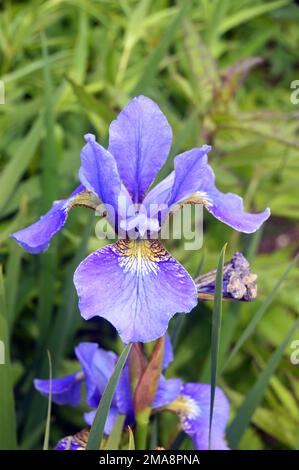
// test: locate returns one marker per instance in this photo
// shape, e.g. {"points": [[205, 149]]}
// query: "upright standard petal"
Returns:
{"points": [[140, 140], [155, 202], [228, 207], [98, 173], [195, 178], [65, 390], [195, 415], [36, 238], [85, 353], [103, 365], [189, 168], [160, 193], [137, 286]]}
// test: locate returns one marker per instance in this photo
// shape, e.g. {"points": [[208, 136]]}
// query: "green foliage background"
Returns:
{"points": [[221, 72]]}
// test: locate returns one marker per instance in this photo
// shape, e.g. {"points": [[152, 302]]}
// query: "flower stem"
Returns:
{"points": [[142, 422]]}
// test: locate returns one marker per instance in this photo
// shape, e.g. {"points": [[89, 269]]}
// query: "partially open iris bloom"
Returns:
{"points": [[135, 283], [191, 401]]}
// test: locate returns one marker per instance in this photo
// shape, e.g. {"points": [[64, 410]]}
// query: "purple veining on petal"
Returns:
{"points": [[68, 443], [76, 442], [137, 286]]}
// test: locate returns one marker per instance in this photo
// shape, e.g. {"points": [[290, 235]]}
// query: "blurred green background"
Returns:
{"points": [[221, 72]]}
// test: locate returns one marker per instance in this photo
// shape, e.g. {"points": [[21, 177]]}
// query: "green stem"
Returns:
{"points": [[142, 422]]}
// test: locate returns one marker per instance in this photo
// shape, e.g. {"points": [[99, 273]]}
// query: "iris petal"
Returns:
{"points": [[103, 365], [36, 238], [110, 421], [228, 207], [137, 286], [140, 140], [98, 173], [189, 170], [160, 193], [65, 390], [76, 442], [97, 365], [167, 391], [85, 353], [196, 418], [123, 394], [194, 177]]}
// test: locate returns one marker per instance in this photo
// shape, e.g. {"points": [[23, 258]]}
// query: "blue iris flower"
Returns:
{"points": [[191, 401], [135, 283]]}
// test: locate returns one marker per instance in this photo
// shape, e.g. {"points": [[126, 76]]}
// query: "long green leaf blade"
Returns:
{"points": [[97, 429], [17, 166], [12, 283], [247, 14], [48, 422], [115, 436], [255, 395], [8, 438], [216, 331], [131, 439], [49, 185], [259, 314], [48, 262], [154, 60]]}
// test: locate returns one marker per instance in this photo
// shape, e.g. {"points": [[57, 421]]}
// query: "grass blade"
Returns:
{"points": [[246, 14], [255, 395], [49, 185], [115, 436], [48, 423], [12, 281], [216, 330], [131, 439], [47, 260], [259, 314], [8, 438], [18, 164], [154, 60], [97, 429], [68, 319]]}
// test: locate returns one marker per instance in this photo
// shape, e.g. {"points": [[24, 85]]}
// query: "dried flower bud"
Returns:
{"points": [[238, 282]]}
